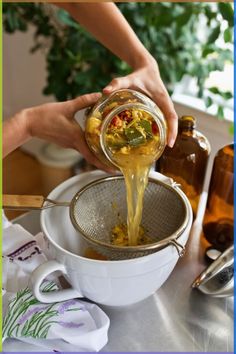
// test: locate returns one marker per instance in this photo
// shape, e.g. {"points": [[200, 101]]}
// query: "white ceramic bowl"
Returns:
{"points": [[114, 283]]}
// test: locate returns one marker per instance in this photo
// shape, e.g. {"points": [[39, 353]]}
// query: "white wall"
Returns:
{"points": [[24, 74]]}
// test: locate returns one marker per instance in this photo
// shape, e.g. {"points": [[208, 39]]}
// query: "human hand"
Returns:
{"points": [[146, 78], [54, 122]]}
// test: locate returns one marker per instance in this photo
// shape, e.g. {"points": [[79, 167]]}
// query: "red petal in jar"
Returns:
{"points": [[155, 129], [126, 116], [116, 122]]}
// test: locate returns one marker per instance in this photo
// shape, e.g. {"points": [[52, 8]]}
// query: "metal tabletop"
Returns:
{"points": [[176, 318]]}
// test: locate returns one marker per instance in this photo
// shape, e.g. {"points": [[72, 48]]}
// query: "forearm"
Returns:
{"points": [[109, 27], [15, 133]]}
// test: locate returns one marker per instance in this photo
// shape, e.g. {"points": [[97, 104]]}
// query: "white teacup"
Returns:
{"points": [[113, 283]]}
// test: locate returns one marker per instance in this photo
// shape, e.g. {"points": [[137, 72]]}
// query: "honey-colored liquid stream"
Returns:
{"points": [[135, 168]]}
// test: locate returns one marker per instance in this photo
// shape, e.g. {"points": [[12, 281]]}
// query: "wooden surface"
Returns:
{"points": [[21, 175], [24, 175]]}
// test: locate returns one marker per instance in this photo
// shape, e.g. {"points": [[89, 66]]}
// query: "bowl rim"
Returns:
{"points": [[62, 186]]}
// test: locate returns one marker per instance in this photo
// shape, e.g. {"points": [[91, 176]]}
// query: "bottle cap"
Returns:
{"points": [[212, 253], [187, 122]]}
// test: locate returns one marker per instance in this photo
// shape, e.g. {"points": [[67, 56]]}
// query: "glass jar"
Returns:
{"points": [[186, 162], [124, 123], [218, 223]]}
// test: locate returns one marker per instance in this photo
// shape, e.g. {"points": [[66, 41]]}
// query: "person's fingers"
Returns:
{"points": [[164, 102], [117, 84], [172, 123], [82, 101], [161, 97]]}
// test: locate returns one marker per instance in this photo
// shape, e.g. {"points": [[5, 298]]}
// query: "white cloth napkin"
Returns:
{"points": [[28, 325]]}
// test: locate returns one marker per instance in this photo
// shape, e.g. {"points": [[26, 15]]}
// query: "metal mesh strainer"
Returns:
{"points": [[101, 205]]}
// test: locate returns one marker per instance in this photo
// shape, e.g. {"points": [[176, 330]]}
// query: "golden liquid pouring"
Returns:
{"points": [[135, 164], [132, 138], [136, 181]]}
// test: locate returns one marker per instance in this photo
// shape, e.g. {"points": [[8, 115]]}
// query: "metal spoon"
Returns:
{"points": [[218, 279]]}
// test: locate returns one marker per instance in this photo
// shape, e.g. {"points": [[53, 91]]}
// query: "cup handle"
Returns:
{"points": [[40, 273]]}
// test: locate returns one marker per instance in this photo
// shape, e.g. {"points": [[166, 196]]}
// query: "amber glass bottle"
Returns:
{"points": [[218, 220], [186, 162]]}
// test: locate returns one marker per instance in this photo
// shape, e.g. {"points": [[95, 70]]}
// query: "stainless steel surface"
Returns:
{"points": [[177, 317], [105, 200], [218, 278], [30, 221]]}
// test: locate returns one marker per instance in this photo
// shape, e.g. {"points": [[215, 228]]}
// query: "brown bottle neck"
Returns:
{"points": [[228, 150], [186, 125], [188, 131]]}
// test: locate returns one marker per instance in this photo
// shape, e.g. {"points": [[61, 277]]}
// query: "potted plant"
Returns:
{"points": [[192, 38]]}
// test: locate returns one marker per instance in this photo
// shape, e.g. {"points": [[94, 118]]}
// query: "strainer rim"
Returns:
{"points": [[139, 248]]}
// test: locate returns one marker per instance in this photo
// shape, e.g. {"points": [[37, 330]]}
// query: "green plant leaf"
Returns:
{"points": [[146, 126], [183, 19], [208, 101], [214, 90], [225, 94], [231, 129], [214, 34], [66, 19], [77, 63], [208, 49], [210, 13], [220, 113], [134, 137], [228, 35], [227, 12]]}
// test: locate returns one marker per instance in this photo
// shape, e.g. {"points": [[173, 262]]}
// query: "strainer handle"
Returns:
{"points": [[29, 202], [180, 248], [22, 202], [43, 271]]}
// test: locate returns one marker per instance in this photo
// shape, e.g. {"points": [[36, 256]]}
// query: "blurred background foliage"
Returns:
{"points": [[192, 38]]}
